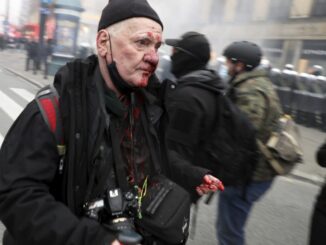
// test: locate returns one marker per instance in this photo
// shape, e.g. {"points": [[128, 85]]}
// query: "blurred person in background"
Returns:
{"points": [[2, 42], [246, 87], [222, 69], [163, 70], [289, 67], [46, 54], [190, 109], [316, 70], [31, 54]]}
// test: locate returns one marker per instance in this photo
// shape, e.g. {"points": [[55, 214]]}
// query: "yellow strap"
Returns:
{"points": [[141, 193], [61, 150]]}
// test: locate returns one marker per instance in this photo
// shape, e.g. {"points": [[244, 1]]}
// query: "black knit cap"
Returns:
{"points": [[118, 10], [193, 43]]}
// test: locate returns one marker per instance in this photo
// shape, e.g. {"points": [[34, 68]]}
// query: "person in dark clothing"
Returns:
{"points": [[28, 54], [31, 55], [109, 126], [46, 54], [252, 92], [318, 221], [2, 42], [190, 108]]}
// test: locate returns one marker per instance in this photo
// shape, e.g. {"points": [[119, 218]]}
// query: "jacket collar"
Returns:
{"points": [[247, 75]]}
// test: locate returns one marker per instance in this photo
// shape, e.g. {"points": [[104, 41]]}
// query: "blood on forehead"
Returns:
{"points": [[155, 36]]}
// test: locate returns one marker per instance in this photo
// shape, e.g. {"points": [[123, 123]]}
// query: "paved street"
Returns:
{"points": [[15, 60], [282, 217]]}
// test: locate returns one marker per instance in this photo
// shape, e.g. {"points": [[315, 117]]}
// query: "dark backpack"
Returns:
{"points": [[232, 144]]}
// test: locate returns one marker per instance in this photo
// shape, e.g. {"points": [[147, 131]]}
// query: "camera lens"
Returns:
{"points": [[129, 196]]}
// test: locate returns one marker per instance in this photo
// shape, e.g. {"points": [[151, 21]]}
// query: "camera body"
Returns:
{"points": [[116, 212]]}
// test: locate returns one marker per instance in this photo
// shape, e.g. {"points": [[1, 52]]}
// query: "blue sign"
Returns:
{"points": [[46, 1], [45, 11]]}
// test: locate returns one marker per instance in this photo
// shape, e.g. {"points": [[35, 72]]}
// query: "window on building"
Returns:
{"points": [[244, 10], [272, 48], [300, 8], [319, 8], [260, 10], [230, 10], [279, 10], [217, 10]]}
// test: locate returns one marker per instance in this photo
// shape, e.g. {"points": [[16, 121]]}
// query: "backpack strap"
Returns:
{"points": [[48, 102]]}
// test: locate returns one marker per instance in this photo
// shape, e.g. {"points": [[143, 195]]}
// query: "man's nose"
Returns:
{"points": [[151, 57]]}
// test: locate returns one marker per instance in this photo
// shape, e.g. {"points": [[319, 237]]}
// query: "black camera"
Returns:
{"points": [[116, 212]]}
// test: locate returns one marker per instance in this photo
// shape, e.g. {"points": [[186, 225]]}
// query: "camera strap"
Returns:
{"points": [[111, 133], [155, 161]]}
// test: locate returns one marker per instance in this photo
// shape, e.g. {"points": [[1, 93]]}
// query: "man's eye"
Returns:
{"points": [[158, 45], [143, 42]]}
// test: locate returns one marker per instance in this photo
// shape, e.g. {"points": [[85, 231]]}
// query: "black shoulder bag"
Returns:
{"points": [[165, 207]]}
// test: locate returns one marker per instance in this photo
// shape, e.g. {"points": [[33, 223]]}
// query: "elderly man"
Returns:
{"points": [[108, 121]]}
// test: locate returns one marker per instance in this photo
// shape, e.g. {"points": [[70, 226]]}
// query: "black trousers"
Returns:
{"points": [[318, 228], [7, 239]]}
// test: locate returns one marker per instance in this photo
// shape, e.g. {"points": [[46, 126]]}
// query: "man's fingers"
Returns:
{"points": [[199, 191], [116, 242], [211, 181]]}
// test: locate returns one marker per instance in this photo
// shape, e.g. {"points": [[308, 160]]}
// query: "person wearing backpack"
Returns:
{"points": [[318, 218], [104, 182], [253, 93], [190, 108]]}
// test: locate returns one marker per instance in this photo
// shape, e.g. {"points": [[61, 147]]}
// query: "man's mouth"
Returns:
{"points": [[148, 72]]}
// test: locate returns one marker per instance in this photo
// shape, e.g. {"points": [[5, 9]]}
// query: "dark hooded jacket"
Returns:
{"points": [[318, 219], [37, 204], [191, 115], [321, 160]]}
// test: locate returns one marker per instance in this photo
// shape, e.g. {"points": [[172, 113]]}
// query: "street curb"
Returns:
{"points": [[35, 83], [313, 179]]}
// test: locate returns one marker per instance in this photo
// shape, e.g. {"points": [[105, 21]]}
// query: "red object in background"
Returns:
{"points": [[31, 30]]}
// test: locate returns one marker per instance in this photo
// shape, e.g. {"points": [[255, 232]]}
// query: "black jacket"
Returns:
{"points": [[191, 114], [33, 206], [321, 160]]}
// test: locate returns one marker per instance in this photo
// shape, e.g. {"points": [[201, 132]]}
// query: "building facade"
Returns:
{"points": [[289, 31]]}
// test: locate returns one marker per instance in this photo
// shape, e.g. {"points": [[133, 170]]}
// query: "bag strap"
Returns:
{"points": [[263, 148], [269, 157], [48, 102]]}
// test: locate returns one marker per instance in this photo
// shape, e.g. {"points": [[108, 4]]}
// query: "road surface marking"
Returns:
{"points": [[10, 107], [25, 94]]}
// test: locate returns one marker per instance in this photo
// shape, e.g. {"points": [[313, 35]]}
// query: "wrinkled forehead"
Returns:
{"points": [[137, 26]]}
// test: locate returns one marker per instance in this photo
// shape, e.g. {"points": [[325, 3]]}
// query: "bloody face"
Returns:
{"points": [[135, 50]]}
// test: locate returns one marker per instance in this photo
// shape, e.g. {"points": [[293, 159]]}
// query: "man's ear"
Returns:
{"points": [[101, 43]]}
